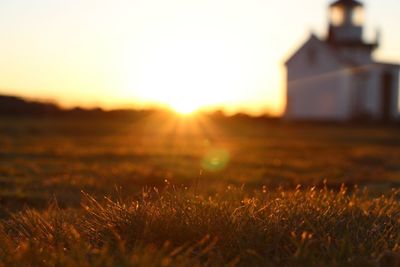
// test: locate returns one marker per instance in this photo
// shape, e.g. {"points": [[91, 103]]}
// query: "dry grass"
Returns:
{"points": [[42, 158], [183, 228], [210, 220]]}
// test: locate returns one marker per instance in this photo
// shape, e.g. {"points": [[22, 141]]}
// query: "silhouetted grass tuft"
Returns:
{"points": [[184, 228]]}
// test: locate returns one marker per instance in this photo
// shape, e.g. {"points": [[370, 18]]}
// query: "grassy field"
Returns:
{"points": [[205, 191]]}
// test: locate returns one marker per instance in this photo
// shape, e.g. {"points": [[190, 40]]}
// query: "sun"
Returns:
{"points": [[184, 107], [187, 102], [184, 75]]}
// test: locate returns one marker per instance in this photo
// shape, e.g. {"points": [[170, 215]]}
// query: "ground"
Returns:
{"points": [[294, 194]]}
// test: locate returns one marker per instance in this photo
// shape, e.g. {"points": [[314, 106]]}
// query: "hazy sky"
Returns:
{"points": [[112, 53]]}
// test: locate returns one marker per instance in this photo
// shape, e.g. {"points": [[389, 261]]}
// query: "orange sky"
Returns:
{"points": [[186, 54]]}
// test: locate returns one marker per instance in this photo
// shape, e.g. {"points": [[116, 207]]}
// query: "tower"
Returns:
{"points": [[346, 22], [346, 26]]}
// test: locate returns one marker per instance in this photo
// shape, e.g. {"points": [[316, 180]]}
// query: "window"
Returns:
{"points": [[357, 16], [342, 15], [338, 15]]}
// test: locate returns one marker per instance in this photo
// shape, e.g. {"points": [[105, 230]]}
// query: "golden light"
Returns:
{"points": [[183, 107], [186, 55], [186, 104], [207, 141], [185, 75]]}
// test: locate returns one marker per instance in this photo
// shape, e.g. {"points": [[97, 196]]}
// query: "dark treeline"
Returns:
{"points": [[19, 107], [11, 106]]}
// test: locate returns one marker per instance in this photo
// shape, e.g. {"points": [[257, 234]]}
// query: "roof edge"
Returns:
{"points": [[312, 36], [349, 3]]}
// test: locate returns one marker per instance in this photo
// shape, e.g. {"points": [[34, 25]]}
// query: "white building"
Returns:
{"points": [[336, 78]]}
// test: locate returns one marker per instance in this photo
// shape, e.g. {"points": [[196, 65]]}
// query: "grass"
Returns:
{"points": [[231, 197], [181, 227]]}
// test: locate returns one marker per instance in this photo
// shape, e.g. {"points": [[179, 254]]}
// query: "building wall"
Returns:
{"points": [[374, 92], [377, 91], [395, 112], [366, 92], [318, 85], [357, 55], [322, 98], [321, 87]]}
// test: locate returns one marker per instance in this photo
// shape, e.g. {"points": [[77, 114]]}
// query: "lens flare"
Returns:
{"points": [[215, 160]]}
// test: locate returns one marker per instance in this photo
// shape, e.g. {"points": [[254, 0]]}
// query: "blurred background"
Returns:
{"points": [[184, 55]]}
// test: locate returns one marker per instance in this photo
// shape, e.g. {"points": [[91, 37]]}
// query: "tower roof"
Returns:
{"points": [[349, 3]]}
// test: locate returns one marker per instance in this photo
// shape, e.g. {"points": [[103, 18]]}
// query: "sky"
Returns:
{"points": [[185, 54]]}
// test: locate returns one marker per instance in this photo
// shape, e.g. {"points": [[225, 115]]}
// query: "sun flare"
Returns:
{"points": [[184, 108], [187, 103], [186, 75]]}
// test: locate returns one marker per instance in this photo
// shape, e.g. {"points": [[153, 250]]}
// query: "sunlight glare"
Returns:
{"points": [[184, 108], [187, 75]]}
